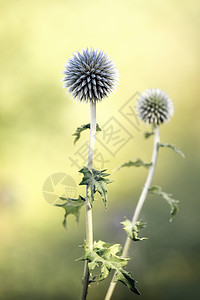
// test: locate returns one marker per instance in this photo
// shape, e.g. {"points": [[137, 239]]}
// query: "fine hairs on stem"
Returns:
{"points": [[89, 226], [139, 204]]}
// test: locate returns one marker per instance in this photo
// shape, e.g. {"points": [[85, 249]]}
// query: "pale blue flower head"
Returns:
{"points": [[90, 75]]}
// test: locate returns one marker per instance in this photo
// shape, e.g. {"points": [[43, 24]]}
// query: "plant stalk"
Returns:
{"points": [[89, 226], [139, 204]]}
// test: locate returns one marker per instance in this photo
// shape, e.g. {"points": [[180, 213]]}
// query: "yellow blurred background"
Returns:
{"points": [[154, 44]]}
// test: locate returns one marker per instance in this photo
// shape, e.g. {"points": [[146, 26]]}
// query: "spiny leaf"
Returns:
{"points": [[71, 207], [125, 278], [96, 182], [148, 134], [173, 148], [172, 202], [79, 130], [137, 163], [133, 230], [106, 257]]}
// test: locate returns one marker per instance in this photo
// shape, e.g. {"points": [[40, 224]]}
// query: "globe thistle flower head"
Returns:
{"points": [[154, 107], [90, 75]]}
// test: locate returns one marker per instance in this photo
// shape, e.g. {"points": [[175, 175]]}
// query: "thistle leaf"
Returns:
{"points": [[125, 278], [173, 148], [79, 130], [172, 202], [137, 163], [148, 134], [133, 230], [71, 207], [96, 182], [106, 257]]}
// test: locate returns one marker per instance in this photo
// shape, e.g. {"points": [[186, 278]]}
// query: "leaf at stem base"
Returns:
{"points": [[106, 257]]}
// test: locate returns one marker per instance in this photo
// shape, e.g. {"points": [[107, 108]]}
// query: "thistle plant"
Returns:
{"points": [[90, 76], [154, 107]]}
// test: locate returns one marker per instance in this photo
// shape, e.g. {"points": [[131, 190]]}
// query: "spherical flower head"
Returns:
{"points": [[90, 75], [154, 107]]}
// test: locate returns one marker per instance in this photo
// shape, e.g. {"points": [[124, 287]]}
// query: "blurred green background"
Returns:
{"points": [[154, 44]]}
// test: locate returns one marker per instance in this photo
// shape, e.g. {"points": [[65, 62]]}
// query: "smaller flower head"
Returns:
{"points": [[154, 107], [90, 75]]}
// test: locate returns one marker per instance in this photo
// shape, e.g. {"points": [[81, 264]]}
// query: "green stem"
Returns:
{"points": [[89, 226], [139, 204]]}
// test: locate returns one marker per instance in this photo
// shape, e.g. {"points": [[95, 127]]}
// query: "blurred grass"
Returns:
{"points": [[155, 44]]}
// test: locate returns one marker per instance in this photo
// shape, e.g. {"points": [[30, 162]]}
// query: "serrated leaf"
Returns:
{"points": [[125, 278], [148, 134], [137, 163], [172, 202], [96, 182], [80, 129], [71, 207], [106, 257], [133, 230], [175, 149]]}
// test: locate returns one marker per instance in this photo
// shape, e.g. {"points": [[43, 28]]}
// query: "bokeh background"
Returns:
{"points": [[154, 44]]}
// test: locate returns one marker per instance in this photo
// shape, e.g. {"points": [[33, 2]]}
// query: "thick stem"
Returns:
{"points": [[139, 204], [89, 226]]}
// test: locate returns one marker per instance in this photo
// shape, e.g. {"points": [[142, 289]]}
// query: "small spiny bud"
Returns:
{"points": [[154, 107]]}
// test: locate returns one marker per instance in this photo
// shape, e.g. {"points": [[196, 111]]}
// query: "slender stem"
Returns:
{"points": [[89, 226], [139, 204]]}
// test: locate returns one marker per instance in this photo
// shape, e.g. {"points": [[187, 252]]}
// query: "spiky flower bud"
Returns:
{"points": [[154, 107], [90, 75]]}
